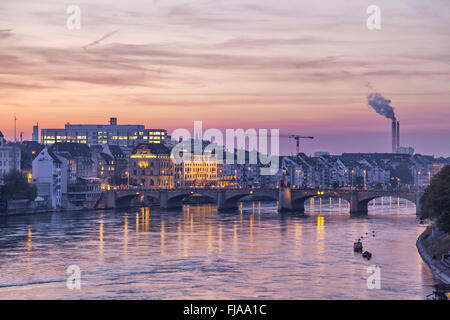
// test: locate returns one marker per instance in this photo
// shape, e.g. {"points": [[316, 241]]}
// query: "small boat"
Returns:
{"points": [[367, 255], [358, 246]]}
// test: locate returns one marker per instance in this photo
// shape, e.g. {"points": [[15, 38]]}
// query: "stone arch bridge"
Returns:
{"points": [[289, 200]]}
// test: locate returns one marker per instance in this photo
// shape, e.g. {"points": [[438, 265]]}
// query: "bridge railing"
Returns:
{"points": [[312, 190]]}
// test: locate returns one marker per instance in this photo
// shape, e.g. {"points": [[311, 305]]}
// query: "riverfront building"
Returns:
{"points": [[199, 165], [65, 175], [112, 134], [103, 163], [50, 175], [9, 157], [151, 166], [199, 171]]}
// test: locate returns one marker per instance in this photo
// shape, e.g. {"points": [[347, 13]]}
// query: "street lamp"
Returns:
{"points": [[351, 188], [365, 179], [128, 181]]}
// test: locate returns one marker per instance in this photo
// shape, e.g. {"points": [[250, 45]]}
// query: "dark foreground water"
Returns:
{"points": [[202, 254]]}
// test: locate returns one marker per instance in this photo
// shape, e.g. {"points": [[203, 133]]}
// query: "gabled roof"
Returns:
{"points": [[154, 148], [74, 149], [116, 151], [54, 157], [106, 157]]}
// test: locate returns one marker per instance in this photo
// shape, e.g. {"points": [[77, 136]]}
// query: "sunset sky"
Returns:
{"points": [[302, 66]]}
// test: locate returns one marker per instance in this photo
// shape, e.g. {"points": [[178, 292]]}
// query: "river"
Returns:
{"points": [[199, 253]]}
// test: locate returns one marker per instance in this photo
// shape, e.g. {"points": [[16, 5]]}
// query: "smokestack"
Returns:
{"points": [[398, 135], [383, 107], [394, 137]]}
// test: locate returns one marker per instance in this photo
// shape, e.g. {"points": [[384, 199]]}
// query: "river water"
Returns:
{"points": [[198, 253]]}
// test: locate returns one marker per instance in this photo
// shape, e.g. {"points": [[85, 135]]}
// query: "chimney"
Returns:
{"points": [[398, 135], [394, 136]]}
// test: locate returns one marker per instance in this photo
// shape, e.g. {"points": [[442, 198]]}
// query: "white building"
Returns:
{"points": [[50, 177], [9, 158]]}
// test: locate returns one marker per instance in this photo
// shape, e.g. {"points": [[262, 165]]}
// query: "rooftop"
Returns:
{"points": [[154, 148]]}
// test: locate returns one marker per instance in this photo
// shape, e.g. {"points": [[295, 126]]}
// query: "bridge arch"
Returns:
{"points": [[298, 203], [363, 202], [231, 201], [176, 200], [139, 199]]}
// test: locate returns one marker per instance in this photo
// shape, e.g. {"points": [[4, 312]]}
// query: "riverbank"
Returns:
{"points": [[431, 247]]}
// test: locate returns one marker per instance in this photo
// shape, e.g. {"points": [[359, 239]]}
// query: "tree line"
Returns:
{"points": [[435, 203]]}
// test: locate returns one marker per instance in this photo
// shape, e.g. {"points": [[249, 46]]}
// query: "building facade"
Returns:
{"points": [[10, 158], [150, 166], [120, 161], [35, 135], [50, 175], [66, 174], [103, 163], [112, 134], [198, 171]]}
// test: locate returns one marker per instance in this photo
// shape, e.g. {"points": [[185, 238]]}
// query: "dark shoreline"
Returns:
{"points": [[440, 272]]}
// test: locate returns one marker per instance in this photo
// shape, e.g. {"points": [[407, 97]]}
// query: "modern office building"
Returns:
{"points": [[111, 134]]}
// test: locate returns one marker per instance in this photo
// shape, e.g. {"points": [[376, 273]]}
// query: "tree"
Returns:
{"points": [[17, 186], [435, 203]]}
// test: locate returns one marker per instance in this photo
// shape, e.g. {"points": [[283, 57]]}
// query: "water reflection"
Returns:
{"points": [[163, 235], [125, 235], [253, 252], [320, 237], [100, 240], [30, 239]]}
